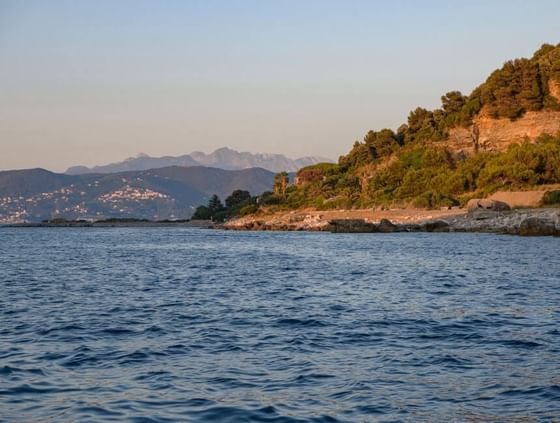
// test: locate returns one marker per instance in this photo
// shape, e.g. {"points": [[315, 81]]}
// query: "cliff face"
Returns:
{"points": [[554, 88], [498, 134]]}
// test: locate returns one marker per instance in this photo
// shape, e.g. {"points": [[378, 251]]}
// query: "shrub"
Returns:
{"points": [[248, 209], [551, 198]]}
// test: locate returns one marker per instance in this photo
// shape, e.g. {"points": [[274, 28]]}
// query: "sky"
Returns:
{"points": [[92, 82]]}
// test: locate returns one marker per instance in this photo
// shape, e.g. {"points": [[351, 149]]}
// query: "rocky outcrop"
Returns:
{"points": [[489, 134], [437, 226], [352, 226], [498, 134], [538, 226], [507, 222], [386, 226], [288, 222], [477, 204], [537, 222], [554, 88]]}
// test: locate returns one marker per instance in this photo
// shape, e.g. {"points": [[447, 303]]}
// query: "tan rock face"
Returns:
{"points": [[554, 88], [498, 134]]}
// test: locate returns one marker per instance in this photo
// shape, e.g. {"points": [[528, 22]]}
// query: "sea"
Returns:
{"points": [[194, 325]]}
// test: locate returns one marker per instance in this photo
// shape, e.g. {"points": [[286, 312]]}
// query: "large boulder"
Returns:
{"points": [[386, 226], [485, 204], [436, 226], [538, 226]]}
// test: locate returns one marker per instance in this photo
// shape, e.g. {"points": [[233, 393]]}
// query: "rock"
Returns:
{"points": [[386, 226], [352, 226], [436, 226], [480, 214], [296, 218], [477, 204], [472, 205], [538, 226], [412, 227]]}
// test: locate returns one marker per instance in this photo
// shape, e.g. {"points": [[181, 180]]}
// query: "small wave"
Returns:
{"points": [[372, 410], [230, 382], [138, 356], [153, 375], [518, 343], [29, 389], [551, 392], [154, 329], [8, 370], [451, 361], [97, 411], [301, 322], [116, 331], [312, 378], [228, 348], [177, 349], [264, 414], [64, 328]]}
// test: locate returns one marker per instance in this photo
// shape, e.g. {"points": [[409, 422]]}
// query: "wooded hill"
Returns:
{"points": [[421, 165], [156, 194]]}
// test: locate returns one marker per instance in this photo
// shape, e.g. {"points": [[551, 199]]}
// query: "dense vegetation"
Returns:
{"points": [[239, 203], [431, 177], [521, 85], [411, 167]]}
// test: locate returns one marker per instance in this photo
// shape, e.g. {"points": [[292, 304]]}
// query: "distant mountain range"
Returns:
{"points": [[165, 193], [223, 158]]}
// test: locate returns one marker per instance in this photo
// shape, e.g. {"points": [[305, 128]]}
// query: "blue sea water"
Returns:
{"points": [[171, 324]]}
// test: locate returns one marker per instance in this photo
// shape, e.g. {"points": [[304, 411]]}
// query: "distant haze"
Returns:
{"points": [[91, 82]]}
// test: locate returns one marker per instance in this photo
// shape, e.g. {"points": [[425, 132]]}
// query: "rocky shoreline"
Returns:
{"points": [[525, 222]]}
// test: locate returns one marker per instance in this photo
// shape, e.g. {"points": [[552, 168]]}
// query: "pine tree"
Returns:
{"points": [[215, 204]]}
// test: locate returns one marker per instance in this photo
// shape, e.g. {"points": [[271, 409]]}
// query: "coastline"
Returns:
{"points": [[203, 224], [525, 221], [520, 221]]}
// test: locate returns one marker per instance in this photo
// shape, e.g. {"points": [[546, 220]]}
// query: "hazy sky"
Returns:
{"points": [[90, 82]]}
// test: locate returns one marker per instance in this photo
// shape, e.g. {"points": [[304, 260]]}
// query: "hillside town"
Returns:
{"points": [[76, 204]]}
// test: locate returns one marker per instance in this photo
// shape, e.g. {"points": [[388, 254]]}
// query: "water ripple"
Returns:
{"points": [[168, 325]]}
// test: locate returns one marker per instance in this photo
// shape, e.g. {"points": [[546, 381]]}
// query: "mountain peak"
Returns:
{"points": [[223, 158]]}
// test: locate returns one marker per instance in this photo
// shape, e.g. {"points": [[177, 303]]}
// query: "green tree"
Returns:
{"points": [[453, 102], [202, 213], [381, 143], [238, 198], [215, 204], [268, 198]]}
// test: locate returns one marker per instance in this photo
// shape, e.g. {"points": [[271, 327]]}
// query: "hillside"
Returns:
{"points": [[504, 135], [223, 158], [166, 193]]}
